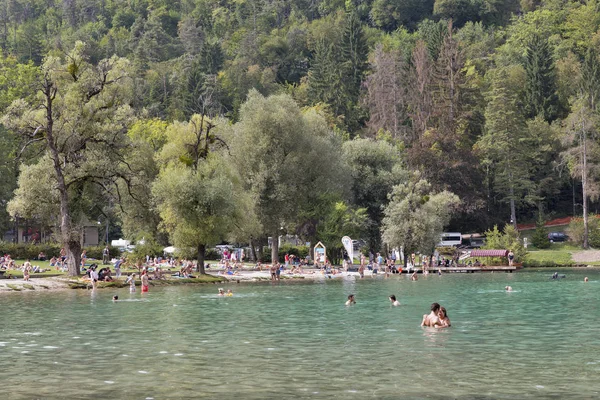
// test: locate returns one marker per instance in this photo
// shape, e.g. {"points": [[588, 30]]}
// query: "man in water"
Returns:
{"points": [[350, 300], [432, 319], [394, 301], [508, 288]]}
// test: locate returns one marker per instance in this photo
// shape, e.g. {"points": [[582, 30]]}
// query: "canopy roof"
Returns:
{"points": [[489, 253]]}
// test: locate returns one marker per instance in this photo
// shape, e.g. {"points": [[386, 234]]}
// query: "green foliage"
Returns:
{"points": [[286, 160], [540, 236], [340, 220], [207, 57], [27, 251], [298, 251], [576, 229], [375, 167], [416, 216], [508, 239], [143, 248], [194, 188], [540, 87]]}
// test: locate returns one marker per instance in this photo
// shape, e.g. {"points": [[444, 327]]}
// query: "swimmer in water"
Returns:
{"points": [[115, 298], [585, 279], [414, 277], [432, 318], [350, 300], [444, 320], [229, 293], [394, 301], [221, 292], [508, 288]]}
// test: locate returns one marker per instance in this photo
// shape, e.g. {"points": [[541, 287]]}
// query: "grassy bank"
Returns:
{"points": [[560, 255], [549, 258]]}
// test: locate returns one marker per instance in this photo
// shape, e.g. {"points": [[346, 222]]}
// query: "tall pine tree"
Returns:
{"points": [[590, 78], [540, 88]]}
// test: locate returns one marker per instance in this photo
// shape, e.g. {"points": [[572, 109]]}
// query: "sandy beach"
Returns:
{"points": [[64, 283]]}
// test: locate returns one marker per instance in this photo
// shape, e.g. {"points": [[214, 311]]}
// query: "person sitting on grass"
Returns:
{"points": [[108, 275]]}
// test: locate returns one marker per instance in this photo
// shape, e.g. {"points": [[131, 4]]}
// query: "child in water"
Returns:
{"points": [[131, 281], [394, 301], [350, 300]]}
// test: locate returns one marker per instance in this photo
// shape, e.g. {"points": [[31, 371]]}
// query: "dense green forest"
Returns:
{"points": [[198, 121]]}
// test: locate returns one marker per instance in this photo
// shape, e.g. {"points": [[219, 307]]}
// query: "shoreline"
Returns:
{"points": [[65, 283]]}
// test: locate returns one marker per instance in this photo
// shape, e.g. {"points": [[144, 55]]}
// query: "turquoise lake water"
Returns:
{"points": [[298, 340]]}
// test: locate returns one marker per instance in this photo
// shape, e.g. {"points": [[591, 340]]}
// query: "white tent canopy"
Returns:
{"points": [[120, 243], [169, 250]]}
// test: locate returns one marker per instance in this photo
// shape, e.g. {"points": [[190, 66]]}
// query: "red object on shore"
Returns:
{"points": [[554, 222], [489, 253]]}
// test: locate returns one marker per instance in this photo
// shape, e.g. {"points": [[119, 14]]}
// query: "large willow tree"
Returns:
{"points": [[79, 119]]}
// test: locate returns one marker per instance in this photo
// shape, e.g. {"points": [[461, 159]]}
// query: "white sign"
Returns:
{"points": [[347, 242]]}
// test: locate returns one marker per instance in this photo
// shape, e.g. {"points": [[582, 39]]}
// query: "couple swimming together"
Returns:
{"points": [[437, 318]]}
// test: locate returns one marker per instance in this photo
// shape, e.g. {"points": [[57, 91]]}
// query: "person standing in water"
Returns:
{"points": [[131, 281], [144, 281], [350, 300], [361, 269], [394, 301], [432, 319], [444, 320], [94, 277]]}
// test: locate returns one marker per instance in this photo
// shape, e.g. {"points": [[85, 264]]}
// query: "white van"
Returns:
{"points": [[448, 239]]}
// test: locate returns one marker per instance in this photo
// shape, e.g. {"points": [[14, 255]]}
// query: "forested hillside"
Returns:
{"points": [[491, 100]]}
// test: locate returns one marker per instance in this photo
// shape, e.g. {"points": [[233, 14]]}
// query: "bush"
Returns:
{"points": [[212, 254], [507, 240], [575, 231], [96, 251], [446, 250], [298, 251], [24, 251]]}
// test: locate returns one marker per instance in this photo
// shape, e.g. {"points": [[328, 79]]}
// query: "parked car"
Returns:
{"points": [[557, 237]]}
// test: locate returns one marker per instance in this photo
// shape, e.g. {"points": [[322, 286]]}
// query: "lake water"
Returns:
{"points": [[298, 340]]}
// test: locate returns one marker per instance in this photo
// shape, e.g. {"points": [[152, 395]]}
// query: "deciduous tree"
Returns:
{"points": [[80, 117]]}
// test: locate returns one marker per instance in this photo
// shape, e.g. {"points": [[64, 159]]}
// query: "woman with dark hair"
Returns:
{"points": [[444, 320]]}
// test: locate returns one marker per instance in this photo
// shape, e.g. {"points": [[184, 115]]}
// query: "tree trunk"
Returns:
{"points": [[72, 246], [275, 249], [584, 188], [201, 252], [259, 252], [513, 210], [73, 249], [253, 250]]}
